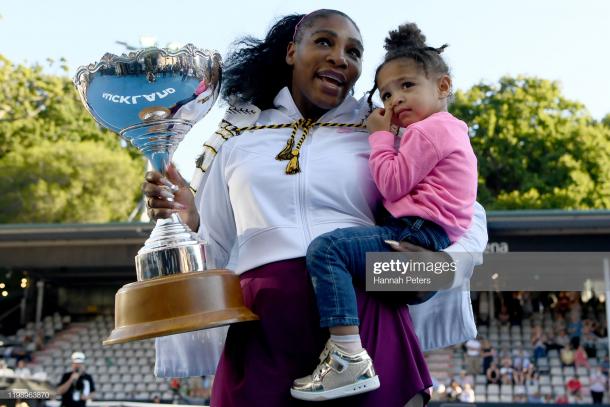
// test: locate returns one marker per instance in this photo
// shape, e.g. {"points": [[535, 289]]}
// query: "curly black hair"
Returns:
{"points": [[409, 42], [256, 70]]}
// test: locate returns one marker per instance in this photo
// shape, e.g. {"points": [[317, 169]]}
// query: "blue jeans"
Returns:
{"points": [[336, 260]]}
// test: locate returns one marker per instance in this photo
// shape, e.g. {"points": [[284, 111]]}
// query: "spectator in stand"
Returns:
{"points": [[521, 363], [597, 385], [515, 308], [551, 343], [575, 307], [537, 341], [561, 399], [5, 370], [521, 359], [504, 353], [559, 322], [493, 374], [600, 328], [506, 371], [567, 355], [580, 358], [463, 379], [454, 391], [531, 376], [467, 395], [575, 325], [562, 338], [488, 354], [76, 386], [574, 387], [441, 392], [588, 339], [473, 356], [22, 370], [562, 306], [504, 316], [527, 304]]}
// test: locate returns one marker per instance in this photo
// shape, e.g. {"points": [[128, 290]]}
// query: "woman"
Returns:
{"points": [[259, 214], [493, 373], [488, 353]]}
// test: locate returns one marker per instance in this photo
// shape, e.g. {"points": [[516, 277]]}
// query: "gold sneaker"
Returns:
{"points": [[339, 374]]}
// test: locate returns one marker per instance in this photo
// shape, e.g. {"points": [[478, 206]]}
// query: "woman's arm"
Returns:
{"points": [[467, 252], [217, 221]]}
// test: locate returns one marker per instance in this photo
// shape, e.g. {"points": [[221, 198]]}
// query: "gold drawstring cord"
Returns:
{"points": [[290, 153]]}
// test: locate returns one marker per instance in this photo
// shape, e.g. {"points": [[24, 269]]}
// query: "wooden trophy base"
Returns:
{"points": [[177, 303]]}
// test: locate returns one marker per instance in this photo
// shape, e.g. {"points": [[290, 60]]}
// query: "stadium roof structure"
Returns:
{"points": [[74, 253], [104, 253]]}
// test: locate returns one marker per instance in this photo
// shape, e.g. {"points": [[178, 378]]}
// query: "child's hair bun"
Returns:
{"points": [[408, 35]]}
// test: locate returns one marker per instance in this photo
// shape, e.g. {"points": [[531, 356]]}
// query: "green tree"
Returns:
{"points": [[57, 164], [535, 148]]}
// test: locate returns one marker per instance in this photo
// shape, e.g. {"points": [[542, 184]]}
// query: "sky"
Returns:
{"points": [[561, 40]]}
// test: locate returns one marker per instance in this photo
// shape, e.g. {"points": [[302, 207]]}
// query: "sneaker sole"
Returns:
{"points": [[361, 386]]}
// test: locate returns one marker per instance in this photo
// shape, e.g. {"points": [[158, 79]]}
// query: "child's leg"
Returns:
{"points": [[336, 260], [424, 233]]}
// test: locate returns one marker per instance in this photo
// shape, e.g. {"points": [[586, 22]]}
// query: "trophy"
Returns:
{"points": [[152, 98]]}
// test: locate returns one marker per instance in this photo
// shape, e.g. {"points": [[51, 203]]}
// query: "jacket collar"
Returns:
{"points": [[345, 111]]}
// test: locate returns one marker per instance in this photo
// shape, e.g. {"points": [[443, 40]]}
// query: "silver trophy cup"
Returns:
{"points": [[152, 98]]}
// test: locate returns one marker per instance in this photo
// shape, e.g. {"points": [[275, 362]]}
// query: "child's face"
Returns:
{"points": [[409, 94]]}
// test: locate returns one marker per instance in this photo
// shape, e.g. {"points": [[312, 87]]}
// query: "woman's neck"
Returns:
{"points": [[311, 111], [307, 109]]}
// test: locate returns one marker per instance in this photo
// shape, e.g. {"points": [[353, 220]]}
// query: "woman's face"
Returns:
{"points": [[326, 63]]}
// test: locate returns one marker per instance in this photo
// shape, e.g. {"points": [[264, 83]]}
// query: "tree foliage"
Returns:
{"points": [[535, 148], [57, 164]]}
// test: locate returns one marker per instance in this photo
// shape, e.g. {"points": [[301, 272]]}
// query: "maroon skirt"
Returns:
{"points": [[262, 358]]}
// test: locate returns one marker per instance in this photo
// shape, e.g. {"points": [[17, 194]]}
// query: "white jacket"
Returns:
{"points": [[252, 214]]}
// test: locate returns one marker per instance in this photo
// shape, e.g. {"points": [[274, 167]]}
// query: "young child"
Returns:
{"points": [[429, 186]]}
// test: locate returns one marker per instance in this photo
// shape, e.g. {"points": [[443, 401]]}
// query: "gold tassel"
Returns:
{"points": [[286, 153], [293, 165]]}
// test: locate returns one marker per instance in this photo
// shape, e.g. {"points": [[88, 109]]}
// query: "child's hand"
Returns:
{"points": [[379, 120]]}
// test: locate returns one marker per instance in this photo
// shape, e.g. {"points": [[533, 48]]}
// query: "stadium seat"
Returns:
{"points": [[506, 398], [117, 387], [545, 390], [493, 398], [569, 371], [493, 389], [533, 389]]}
